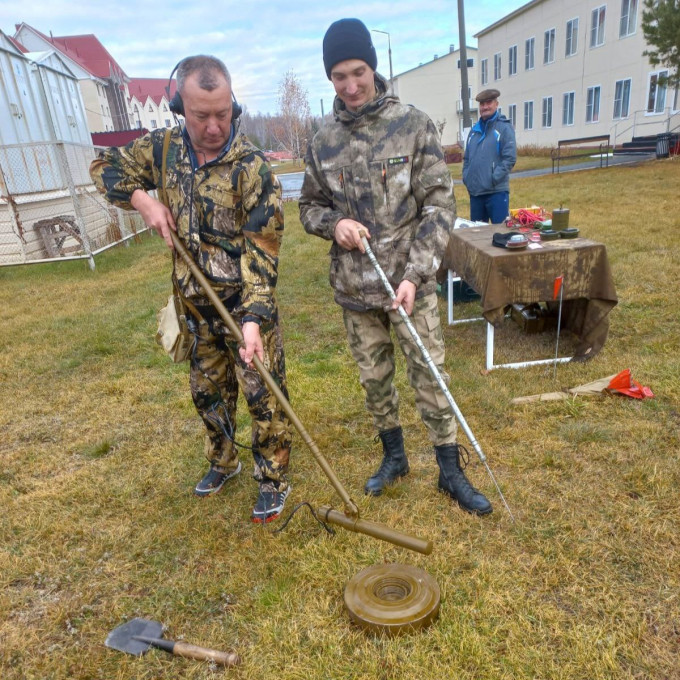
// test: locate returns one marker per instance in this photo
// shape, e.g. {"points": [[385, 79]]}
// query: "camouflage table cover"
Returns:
{"points": [[504, 277]]}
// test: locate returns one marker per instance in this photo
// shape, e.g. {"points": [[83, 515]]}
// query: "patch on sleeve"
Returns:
{"points": [[399, 160]]}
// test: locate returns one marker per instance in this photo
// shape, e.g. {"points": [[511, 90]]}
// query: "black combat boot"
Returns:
{"points": [[394, 463], [452, 480]]}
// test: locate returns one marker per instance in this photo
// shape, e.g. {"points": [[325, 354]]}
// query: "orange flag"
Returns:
{"points": [[557, 286]]}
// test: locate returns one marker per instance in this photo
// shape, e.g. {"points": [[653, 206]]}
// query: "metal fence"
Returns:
{"points": [[49, 208]]}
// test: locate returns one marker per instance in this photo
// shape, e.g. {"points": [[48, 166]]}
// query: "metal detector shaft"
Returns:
{"points": [[350, 507], [433, 369]]}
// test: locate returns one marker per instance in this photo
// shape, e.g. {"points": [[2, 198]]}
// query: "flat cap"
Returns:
{"points": [[488, 95]]}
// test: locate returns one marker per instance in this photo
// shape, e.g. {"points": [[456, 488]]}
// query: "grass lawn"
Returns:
{"points": [[100, 448]]}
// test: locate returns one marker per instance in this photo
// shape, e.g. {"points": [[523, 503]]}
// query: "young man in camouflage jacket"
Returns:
{"points": [[378, 169], [225, 205]]}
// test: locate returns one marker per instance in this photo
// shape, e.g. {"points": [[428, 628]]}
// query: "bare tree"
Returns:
{"points": [[292, 128]]}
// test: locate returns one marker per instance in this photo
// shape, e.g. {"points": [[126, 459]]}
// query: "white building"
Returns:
{"points": [[149, 102], [435, 88], [572, 70]]}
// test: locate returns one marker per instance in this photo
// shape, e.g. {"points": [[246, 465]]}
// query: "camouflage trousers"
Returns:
{"points": [[371, 345], [216, 374]]}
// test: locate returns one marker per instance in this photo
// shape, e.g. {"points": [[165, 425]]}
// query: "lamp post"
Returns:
{"points": [[389, 49]]}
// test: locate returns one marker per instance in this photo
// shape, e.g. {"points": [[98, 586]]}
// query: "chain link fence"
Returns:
{"points": [[50, 209]]}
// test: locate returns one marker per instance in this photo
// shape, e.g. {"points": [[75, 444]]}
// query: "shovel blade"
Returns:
{"points": [[123, 637]]}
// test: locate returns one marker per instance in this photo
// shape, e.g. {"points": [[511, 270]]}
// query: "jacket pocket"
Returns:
{"points": [[219, 206], [391, 188], [337, 180]]}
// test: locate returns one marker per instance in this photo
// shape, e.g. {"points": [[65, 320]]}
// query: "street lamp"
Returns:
{"points": [[389, 49]]}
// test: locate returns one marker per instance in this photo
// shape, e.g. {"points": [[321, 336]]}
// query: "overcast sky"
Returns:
{"points": [[259, 41]]}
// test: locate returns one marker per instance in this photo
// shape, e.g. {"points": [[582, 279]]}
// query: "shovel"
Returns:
{"points": [[138, 635]]}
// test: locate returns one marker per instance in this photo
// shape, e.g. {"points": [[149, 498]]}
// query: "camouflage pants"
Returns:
{"points": [[369, 339], [216, 373]]}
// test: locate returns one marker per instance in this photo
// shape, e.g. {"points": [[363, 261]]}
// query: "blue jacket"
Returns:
{"points": [[490, 155]]}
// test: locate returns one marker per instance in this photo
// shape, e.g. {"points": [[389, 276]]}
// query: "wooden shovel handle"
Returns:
{"points": [[203, 654]]}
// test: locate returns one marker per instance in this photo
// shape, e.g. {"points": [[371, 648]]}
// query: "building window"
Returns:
{"points": [[165, 108], [497, 66], [593, 105], [546, 112], [512, 114], [485, 71], [549, 46], [529, 53], [572, 38], [528, 115], [167, 122], [512, 61], [622, 98], [656, 99], [628, 18], [153, 124], [597, 27], [150, 108], [568, 108]]}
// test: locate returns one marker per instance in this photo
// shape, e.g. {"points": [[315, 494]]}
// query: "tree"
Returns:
{"points": [[292, 129], [661, 28]]}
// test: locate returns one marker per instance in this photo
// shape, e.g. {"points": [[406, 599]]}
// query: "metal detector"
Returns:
{"points": [[350, 519]]}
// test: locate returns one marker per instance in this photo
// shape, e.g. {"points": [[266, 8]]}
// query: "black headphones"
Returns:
{"points": [[176, 104]]}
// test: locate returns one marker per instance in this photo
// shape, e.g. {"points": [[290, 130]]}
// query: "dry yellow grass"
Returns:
{"points": [[100, 448]]}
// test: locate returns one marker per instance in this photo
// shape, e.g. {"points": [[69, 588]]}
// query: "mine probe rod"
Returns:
{"points": [[433, 369], [350, 520]]}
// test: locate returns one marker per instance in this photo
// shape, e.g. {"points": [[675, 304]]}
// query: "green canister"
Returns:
{"points": [[560, 218]]}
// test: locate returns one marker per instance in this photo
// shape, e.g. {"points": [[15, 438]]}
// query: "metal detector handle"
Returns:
{"points": [[351, 509], [376, 530]]}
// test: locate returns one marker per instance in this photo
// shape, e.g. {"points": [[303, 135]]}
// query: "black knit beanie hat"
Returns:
{"points": [[348, 39]]}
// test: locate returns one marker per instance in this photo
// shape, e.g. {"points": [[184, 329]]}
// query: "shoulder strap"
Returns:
{"points": [[163, 195]]}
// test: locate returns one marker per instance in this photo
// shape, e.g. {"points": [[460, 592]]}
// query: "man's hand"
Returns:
{"points": [[348, 234], [406, 296], [253, 343], [155, 215]]}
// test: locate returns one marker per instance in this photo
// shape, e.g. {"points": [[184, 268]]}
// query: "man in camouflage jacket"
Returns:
{"points": [[378, 169], [225, 205]]}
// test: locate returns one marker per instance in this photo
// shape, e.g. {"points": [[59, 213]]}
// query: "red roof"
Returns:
{"points": [[85, 50], [119, 138], [151, 87], [90, 54]]}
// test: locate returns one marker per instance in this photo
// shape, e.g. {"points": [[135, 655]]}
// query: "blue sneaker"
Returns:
{"points": [[214, 481], [269, 504]]}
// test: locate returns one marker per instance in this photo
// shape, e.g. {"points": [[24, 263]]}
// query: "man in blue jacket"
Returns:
{"points": [[490, 155]]}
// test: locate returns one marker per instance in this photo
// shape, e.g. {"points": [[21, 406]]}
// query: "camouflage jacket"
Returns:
{"points": [[382, 166], [228, 213]]}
